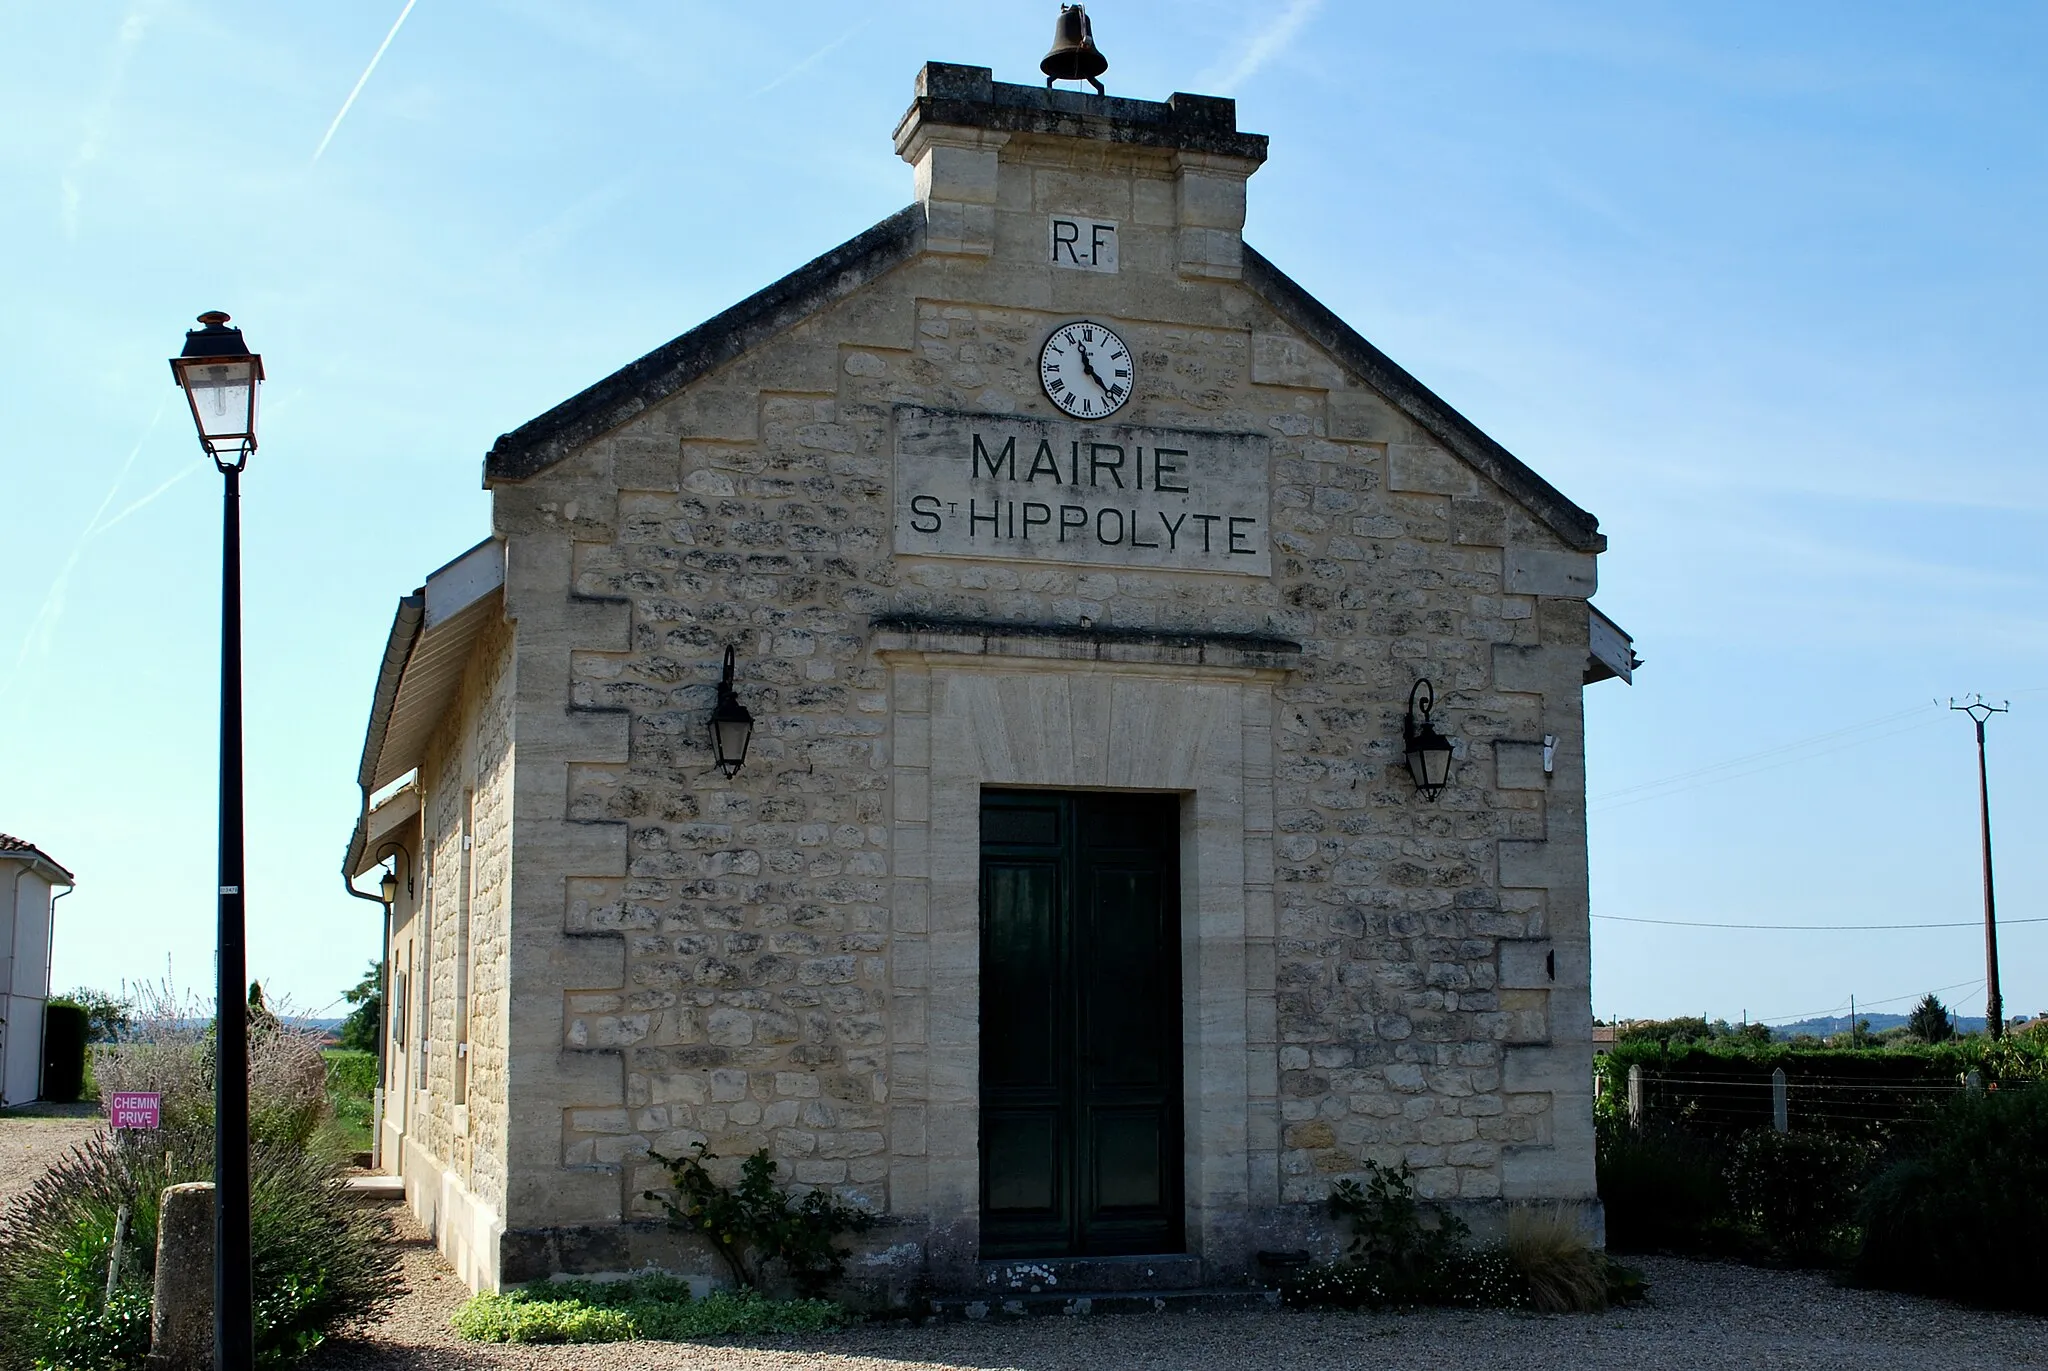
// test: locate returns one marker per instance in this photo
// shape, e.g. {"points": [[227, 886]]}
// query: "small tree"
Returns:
{"points": [[107, 1017], [1929, 1021], [359, 1029]]}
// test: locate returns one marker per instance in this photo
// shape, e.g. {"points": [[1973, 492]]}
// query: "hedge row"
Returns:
{"points": [[1723, 1087]]}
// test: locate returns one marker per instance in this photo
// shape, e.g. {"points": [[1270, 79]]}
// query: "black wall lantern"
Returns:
{"points": [[1429, 752], [732, 727]]}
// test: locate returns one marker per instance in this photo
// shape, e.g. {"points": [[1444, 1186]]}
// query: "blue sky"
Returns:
{"points": [[1760, 285]]}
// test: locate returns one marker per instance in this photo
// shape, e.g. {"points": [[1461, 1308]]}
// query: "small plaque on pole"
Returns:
{"points": [[136, 1109]]}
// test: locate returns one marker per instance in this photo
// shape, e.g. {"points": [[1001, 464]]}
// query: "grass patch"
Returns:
{"points": [[650, 1308], [351, 1091]]}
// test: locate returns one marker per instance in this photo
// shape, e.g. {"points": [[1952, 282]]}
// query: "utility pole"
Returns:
{"points": [[1994, 1003]]}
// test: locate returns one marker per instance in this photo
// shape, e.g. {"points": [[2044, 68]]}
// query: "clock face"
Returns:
{"points": [[1085, 369]]}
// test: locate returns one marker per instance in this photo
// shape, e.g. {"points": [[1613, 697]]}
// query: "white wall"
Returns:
{"points": [[24, 979]]}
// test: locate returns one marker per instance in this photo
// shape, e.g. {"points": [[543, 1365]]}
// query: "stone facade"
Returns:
{"points": [[787, 959], [446, 1095]]}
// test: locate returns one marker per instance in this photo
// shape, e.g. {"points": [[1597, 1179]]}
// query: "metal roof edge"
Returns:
{"points": [[28, 852], [405, 631]]}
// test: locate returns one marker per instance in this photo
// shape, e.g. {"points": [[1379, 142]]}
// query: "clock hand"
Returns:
{"points": [[1089, 367]]}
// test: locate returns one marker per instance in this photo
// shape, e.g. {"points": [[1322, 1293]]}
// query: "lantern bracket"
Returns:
{"points": [[397, 853]]}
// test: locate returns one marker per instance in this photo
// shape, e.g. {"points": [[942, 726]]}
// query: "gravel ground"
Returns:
{"points": [[33, 1136], [1703, 1316]]}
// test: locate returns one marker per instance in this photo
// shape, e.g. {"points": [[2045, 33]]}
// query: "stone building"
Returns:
{"points": [[1074, 898]]}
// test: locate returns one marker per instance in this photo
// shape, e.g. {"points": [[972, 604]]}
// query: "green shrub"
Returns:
{"points": [[1662, 1191], [319, 1262], [352, 1074], [654, 1308], [1963, 1216], [1723, 1085], [753, 1223], [1406, 1252], [1799, 1191], [1410, 1249], [64, 1055]]}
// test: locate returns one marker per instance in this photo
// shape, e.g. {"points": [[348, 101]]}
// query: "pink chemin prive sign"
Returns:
{"points": [[135, 1109]]}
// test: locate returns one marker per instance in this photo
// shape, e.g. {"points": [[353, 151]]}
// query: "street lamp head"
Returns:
{"points": [[220, 377], [389, 886]]}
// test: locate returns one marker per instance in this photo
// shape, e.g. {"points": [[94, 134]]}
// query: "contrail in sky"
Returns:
{"points": [[43, 627], [1269, 44], [820, 55], [374, 60]]}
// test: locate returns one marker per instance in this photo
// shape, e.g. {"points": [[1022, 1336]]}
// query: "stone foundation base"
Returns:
{"points": [[905, 1260]]}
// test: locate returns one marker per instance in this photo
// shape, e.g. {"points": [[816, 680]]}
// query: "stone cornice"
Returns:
{"points": [[961, 97]]}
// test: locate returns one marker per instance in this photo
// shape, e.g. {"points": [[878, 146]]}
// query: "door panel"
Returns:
{"points": [[1023, 1172], [1080, 1024], [1020, 980]]}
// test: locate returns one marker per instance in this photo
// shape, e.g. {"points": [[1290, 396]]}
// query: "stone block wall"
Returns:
{"points": [[457, 1127], [721, 960]]}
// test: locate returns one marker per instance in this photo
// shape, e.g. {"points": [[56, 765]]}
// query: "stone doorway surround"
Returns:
{"points": [[986, 704]]}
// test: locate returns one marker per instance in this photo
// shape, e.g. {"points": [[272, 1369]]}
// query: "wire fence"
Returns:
{"points": [[1878, 1107]]}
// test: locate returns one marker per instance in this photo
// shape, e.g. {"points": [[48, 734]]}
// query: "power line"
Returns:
{"points": [[1806, 928], [1895, 999], [1666, 789], [1772, 755]]}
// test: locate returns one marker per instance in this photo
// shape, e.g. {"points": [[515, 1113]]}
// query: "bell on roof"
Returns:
{"points": [[1074, 56]]}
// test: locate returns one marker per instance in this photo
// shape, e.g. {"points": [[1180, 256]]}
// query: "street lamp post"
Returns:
{"points": [[1994, 1003], [220, 377]]}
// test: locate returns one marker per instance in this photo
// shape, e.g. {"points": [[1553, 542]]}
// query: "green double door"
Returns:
{"points": [[1080, 1024]]}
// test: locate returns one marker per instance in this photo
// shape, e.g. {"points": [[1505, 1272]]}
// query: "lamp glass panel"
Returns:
{"points": [[223, 397], [730, 738], [1436, 764]]}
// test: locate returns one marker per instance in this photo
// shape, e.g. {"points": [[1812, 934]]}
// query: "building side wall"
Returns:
{"points": [[453, 1154], [736, 962]]}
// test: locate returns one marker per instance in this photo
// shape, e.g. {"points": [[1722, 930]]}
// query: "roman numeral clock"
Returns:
{"points": [[1085, 369]]}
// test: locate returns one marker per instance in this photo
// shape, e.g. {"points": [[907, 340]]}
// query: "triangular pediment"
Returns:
{"points": [[863, 260]]}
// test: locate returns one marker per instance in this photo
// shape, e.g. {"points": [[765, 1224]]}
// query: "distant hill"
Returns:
{"points": [[1822, 1028]]}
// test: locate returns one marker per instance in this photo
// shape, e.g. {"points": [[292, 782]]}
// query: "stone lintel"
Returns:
{"points": [[1249, 653]]}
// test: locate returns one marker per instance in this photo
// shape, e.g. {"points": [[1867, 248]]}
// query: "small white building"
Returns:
{"points": [[29, 881]]}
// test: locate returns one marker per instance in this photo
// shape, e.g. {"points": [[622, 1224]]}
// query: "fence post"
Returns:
{"points": [[1635, 1097], [1780, 1111]]}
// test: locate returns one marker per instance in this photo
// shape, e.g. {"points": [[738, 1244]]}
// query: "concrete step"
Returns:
{"points": [[1079, 1303], [376, 1189], [1104, 1275]]}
